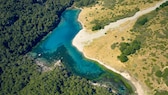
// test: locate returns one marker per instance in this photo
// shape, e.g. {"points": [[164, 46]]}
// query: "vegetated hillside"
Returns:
{"points": [[103, 12], [23, 23], [61, 82], [84, 3], [150, 64]]}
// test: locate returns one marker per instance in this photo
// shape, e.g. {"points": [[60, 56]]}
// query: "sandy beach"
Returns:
{"points": [[84, 38]]}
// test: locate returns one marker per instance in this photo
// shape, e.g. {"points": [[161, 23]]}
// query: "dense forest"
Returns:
{"points": [[23, 23], [61, 82], [82, 3]]}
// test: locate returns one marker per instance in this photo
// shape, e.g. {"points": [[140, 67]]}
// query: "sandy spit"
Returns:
{"points": [[84, 38]]}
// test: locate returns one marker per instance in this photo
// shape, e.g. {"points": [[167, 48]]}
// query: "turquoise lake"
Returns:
{"points": [[58, 45]]}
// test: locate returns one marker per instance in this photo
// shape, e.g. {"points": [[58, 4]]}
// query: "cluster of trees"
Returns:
{"points": [[163, 75], [142, 21], [22, 24], [97, 27], [127, 49], [81, 3], [162, 6], [61, 82], [161, 93], [99, 24]]}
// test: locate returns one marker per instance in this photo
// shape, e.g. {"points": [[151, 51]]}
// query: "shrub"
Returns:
{"points": [[123, 46], [142, 21], [123, 58], [96, 27], [127, 49], [158, 73], [114, 45]]}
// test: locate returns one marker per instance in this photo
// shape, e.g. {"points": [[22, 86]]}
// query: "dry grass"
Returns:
{"points": [[105, 14], [143, 64], [101, 48], [151, 57]]}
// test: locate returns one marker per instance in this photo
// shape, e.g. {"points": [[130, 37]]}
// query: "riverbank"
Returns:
{"points": [[84, 38]]}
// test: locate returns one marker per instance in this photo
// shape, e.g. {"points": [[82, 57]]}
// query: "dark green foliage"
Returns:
{"points": [[16, 74], [123, 46], [165, 73], [161, 93], [127, 49], [162, 6], [109, 5], [114, 45], [142, 21], [23, 23], [123, 58], [98, 25], [81, 3], [158, 73], [136, 45], [61, 82]]}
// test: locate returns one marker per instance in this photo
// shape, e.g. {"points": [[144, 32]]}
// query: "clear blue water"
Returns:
{"points": [[58, 45]]}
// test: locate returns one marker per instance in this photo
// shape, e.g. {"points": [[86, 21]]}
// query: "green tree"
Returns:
{"points": [[123, 46], [127, 49], [123, 58]]}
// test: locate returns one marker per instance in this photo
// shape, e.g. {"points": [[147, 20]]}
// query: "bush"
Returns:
{"points": [[142, 21], [114, 45], [82, 3], [123, 58], [127, 49], [123, 46], [96, 27], [161, 93], [165, 73], [158, 73]]}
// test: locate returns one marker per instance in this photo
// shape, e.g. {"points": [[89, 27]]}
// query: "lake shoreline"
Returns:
{"points": [[84, 38], [132, 82]]}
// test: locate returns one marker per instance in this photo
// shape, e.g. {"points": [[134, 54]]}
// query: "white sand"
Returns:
{"points": [[84, 38], [138, 87]]}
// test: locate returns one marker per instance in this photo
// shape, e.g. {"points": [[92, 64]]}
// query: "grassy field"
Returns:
{"points": [[105, 11], [149, 65]]}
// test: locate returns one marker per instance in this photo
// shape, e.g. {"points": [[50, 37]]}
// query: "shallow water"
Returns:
{"points": [[58, 45]]}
